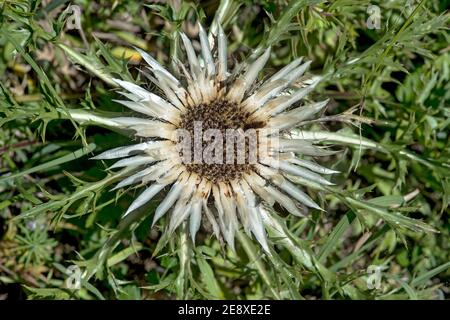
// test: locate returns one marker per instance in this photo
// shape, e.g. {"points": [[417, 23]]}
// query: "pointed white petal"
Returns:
{"points": [[255, 68], [192, 92], [296, 170], [121, 152], [271, 195], [147, 128], [254, 218], [164, 84], [257, 228], [169, 200], [304, 173], [130, 96], [288, 187], [273, 87], [222, 54], [308, 111], [242, 84], [295, 97], [264, 194], [302, 147], [206, 52], [131, 121], [258, 185], [171, 175], [285, 201], [218, 206], [184, 204], [299, 195], [145, 197], [179, 214], [208, 89], [158, 130], [261, 114], [312, 166], [229, 206], [226, 226], [242, 205], [195, 218], [133, 88], [156, 66], [281, 103], [140, 107], [147, 98], [132, 162], [135, 178], [263, 94], [212, 220], [192, 57], [289, 119], [269, 174], [297, 72], [281, 74], [245, 204], [163, 172]]}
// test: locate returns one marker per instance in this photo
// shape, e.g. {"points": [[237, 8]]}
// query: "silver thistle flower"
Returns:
{"points": [[227, 193]]}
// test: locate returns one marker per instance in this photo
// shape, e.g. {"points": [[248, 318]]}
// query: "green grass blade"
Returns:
{"points": [[333, 239], [423, 278], [53, 163]]}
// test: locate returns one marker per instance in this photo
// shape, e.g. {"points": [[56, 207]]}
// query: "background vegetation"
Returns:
{"points": [[390, 206]]}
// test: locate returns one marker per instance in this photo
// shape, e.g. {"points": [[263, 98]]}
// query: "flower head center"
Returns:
{"points": [[221, 131]]}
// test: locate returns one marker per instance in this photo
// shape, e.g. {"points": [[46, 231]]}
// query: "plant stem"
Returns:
{"points": [[183, 254], [251, 251]]}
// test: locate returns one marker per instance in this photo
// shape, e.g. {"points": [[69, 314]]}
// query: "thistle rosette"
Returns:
{"points": [[226, 184]]}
